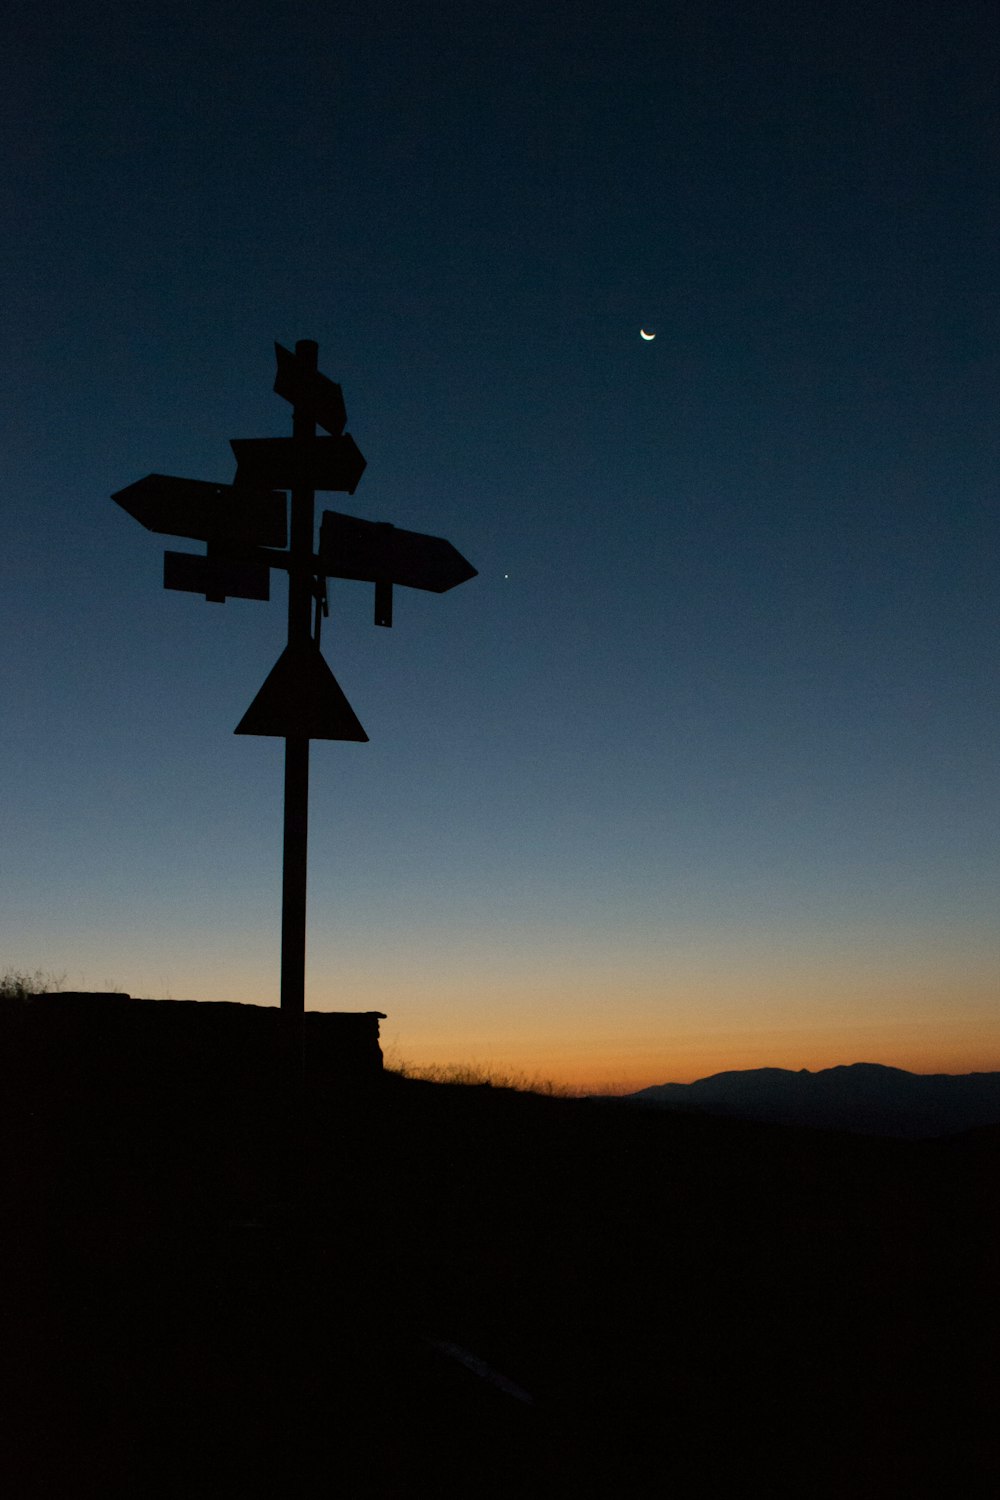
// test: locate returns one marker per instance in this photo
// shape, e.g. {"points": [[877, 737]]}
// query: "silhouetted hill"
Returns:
{"points": [[426, 1289], [863, 1097]]}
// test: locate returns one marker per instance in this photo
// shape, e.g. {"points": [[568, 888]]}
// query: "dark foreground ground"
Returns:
{"points": [[695, 1307]]}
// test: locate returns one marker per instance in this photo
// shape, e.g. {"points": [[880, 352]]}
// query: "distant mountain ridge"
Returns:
{"points": [[866, 1098]]}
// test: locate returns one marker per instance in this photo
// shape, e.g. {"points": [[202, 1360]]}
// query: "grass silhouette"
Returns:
{"points": [[18, 984], [480, 1075]]}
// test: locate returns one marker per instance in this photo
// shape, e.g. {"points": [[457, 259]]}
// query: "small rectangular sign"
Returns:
{"points": [[218, 580]]}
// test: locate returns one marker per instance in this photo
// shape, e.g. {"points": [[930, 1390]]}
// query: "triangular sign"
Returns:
{"points": [[301, 699]]}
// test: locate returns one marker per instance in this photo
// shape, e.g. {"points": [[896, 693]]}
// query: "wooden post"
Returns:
{"points": [[296, 823]]}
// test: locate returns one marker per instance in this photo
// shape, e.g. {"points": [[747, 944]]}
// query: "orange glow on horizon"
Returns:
{"points": [[606, 1022], [620, 1070]]}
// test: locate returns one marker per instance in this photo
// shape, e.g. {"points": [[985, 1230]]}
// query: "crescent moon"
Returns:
{"points": [[649, 337]]}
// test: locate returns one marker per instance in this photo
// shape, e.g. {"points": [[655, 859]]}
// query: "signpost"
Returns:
{"points": [[245, 526]]}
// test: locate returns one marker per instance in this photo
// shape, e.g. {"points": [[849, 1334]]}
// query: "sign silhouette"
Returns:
{"points": [[218, 578], [206, 512], [247, 531], [369, 550], [380, 553], [300, 693], [326, 463], [312, 394]]}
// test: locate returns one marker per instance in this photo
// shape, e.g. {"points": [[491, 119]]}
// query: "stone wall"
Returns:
{"points": [[201, 1041]]}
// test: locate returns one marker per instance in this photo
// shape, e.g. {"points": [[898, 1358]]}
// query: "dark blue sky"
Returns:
{"points": [[701, 770]]}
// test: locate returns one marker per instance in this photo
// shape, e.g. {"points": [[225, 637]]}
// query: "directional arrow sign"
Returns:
{"points": [[206, 512], [301, 698], [375, 552], [312, 393], [330, 463]]}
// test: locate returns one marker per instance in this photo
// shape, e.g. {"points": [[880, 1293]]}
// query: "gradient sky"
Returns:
{"points": [[700, 772]]}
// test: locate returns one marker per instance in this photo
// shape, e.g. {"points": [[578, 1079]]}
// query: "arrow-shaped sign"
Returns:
{"points": [[376, 552], [330, 463], [310, 392], [207, 512]]}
